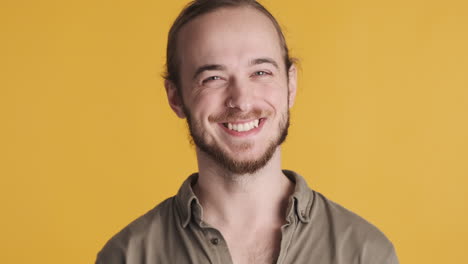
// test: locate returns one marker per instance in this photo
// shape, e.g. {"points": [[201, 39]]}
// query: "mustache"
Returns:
{"points": [[231, 115]]}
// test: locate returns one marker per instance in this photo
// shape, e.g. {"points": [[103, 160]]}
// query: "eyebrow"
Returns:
{"points": [[264, 60]]}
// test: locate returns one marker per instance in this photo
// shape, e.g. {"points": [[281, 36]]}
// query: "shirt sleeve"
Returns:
{"points": [[111, 254], [392, 258]]}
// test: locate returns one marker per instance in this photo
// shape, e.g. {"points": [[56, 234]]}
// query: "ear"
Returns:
{"points": [[174, 98], [292, 84]]}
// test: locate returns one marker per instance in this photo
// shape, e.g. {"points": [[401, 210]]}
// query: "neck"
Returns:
{"points": [[230, 199]]}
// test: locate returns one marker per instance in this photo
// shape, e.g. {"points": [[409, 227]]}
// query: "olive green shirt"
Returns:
{"points": [[317, 231]]}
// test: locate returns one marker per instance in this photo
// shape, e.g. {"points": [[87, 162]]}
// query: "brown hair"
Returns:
{"points": [[199, 7]]}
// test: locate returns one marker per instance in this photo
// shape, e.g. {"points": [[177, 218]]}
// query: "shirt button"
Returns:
{"points": [[214, 241]]}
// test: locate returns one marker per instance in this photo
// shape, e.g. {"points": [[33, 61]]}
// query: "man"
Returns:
{"points": [[230, 75]]}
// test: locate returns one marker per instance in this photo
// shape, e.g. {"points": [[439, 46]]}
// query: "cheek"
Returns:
{"points": [[201, 100], [274, 94], [206, 106]]}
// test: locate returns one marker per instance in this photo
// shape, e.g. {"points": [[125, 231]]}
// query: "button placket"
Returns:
{"points": [[214, 241], [218, 245]]}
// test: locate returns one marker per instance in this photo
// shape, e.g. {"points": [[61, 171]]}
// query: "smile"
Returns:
{"points": [[242, 127]]}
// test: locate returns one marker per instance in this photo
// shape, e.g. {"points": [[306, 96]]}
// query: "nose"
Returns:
{"points": [[240, 96]]}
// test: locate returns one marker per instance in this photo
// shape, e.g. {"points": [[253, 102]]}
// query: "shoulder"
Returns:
{"points": [[351, 233], [134, 234], [345, 220]]}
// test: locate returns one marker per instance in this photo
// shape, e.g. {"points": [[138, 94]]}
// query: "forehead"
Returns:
{"points": [[227, 36]]}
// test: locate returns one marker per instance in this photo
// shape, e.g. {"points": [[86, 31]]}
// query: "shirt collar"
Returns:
{"points": [[300, 202], [302, 198], [186, 199]]}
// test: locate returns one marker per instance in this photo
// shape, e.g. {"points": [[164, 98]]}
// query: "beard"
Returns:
{"points": [[220, 156]]}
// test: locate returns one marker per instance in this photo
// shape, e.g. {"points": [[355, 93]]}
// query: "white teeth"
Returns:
{"points": [[243, 127]]}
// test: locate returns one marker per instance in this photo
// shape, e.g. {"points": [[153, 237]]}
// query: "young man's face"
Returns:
{"points": [[235, 90]]}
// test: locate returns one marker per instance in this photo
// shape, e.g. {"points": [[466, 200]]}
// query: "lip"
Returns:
{"points": [[243, 133]]}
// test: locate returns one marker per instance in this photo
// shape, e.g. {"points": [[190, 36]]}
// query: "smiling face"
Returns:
{"points": [[235, 88]]}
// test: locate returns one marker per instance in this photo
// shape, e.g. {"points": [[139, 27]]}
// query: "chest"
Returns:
{"points": [[260, 247]]}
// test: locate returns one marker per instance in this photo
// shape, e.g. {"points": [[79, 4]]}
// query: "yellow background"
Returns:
{"points": [[88, 142]]}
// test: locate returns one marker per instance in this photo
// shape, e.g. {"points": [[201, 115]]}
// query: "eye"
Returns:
{"points": [[211, 78], [261, 73]]}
